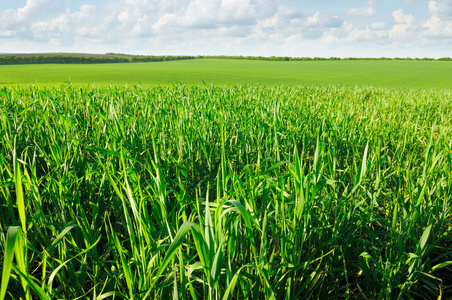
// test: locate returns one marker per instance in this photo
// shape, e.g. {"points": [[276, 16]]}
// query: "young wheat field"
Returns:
{"points": [[225, 192]]}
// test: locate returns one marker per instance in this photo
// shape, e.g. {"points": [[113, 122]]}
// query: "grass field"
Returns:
{"points": [[414, 74], [226, 192]]}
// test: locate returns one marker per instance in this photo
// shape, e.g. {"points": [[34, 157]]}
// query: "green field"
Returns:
{"points": [[413, 74], [225, 192]]}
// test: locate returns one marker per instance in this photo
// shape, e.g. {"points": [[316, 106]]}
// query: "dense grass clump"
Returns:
{"points": [[242, 192]]}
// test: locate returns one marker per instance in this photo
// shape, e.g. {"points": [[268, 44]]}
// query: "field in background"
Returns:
{"points": [[413, 74], [231, 192]]}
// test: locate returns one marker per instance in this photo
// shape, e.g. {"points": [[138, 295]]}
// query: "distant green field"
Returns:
{"points": [[412, 74]]}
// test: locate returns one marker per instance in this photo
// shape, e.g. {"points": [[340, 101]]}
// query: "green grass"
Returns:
{"points": [[414, 74], [225, 192]]}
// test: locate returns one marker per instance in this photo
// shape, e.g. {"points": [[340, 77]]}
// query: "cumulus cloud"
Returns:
{"points": [[441, 8], [23, 21], [211, 14], [400, 17], [440, 22], [404, 25], [252, 27], [321, 20]]}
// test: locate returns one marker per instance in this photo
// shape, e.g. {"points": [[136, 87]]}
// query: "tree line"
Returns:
{"points": [[159, 58], [12, 60], [59, 59], [288, 58]]}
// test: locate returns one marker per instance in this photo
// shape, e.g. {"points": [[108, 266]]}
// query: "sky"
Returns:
{"points": [[323, 28]]}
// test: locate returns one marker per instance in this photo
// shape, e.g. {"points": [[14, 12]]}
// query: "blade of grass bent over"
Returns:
{"points": [[8, 258]]}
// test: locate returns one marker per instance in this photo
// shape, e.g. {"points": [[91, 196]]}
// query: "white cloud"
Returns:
{"points": [[85, 11], [35, 8], [400, 17], [211, 14], [441, 8], [249, 27], [143, 25], [269, 22], [362, 12], [404, 27], [165, 20], [321, 20], [440, 22], [375, 34]]}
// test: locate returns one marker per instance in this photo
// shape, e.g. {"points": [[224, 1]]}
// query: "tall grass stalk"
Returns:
{"points": [[226, 192]]}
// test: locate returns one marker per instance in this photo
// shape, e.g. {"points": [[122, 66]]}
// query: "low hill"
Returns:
{"points": [[81, 58], [108, 55]]}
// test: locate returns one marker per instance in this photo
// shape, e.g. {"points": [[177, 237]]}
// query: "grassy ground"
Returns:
{"points": [[414, 74], [255, 192]]}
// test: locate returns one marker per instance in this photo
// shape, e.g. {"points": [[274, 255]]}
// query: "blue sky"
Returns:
{"points": [[370, 28]]}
